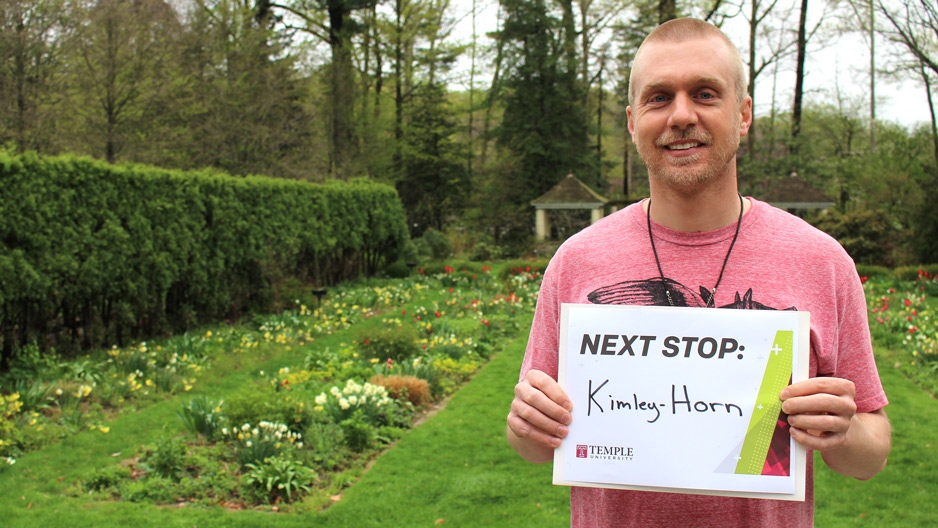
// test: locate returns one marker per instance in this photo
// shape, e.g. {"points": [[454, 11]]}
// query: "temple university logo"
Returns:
{"points": [[603, 452]]}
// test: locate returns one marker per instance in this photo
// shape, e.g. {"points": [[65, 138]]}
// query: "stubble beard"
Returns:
{"points": [[679, 172]]}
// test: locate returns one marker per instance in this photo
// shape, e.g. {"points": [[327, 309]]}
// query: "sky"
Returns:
{"points": [[843, 63]]}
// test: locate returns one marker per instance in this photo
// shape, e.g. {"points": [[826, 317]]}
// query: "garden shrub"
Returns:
{"points": [[411, 388], [202, 417], [484, 252], [395, 342], [359, 434], [257, 443], [436, 242], [325, 443], [278, 478], [10, 407], [871, 271], [94, 253], [106, 479], [157, 489], [167, 458], [867, 235], [914, 273], [265, 403], [397, 270]]}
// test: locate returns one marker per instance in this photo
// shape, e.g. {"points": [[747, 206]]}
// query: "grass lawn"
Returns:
{"points": [[454, 470]]}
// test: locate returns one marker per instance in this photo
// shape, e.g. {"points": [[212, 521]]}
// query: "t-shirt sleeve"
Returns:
{"points": [[541, 352], [855, 358]]}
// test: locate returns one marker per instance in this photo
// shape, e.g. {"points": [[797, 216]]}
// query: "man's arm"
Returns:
{"points": [[823, 416], [539, 416]]}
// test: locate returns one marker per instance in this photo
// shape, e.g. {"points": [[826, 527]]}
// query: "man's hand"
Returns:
{"points": [[540, 414], [823, 416], [820, 411]]}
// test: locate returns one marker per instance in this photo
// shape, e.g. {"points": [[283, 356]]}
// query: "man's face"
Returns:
{"points": [[685, 120]]}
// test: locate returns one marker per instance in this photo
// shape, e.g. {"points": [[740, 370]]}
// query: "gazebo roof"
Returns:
{"points": [[570, 193], [794, 193]]}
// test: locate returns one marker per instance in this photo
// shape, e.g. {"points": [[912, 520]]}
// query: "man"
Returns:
{"points": [[697, 242]]}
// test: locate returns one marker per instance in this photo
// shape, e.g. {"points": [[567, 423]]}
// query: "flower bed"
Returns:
{"points": [[303, 429], [902, 320]]}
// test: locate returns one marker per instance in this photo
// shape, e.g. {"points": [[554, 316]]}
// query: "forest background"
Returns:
{"points": [[340, 89]]}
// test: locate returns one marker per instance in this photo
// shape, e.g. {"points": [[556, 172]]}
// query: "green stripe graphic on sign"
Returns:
{"points": [[767, 407]]}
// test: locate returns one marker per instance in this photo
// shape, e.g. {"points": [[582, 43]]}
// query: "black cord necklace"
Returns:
{"points": [[713, 292]]}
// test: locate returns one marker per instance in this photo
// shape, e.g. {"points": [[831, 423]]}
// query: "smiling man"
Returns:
{"points": [[696, 242]]}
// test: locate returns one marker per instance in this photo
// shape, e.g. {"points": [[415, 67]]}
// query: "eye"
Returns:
{"points": [[706, 96], [657, 99]]}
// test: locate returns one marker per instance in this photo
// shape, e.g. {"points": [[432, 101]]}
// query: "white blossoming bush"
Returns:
{"points": [[371, 402]]}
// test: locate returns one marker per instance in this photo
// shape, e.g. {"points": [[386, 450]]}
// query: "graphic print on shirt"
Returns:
{"points": [[653, 292]]}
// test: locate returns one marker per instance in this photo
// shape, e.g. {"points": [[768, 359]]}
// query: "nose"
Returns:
{"points": [[683, 112]]}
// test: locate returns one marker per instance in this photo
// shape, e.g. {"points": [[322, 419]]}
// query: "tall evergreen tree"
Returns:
{"points": [[434, 181], [544, 124]]}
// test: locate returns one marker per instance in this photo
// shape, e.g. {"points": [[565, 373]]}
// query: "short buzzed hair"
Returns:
{"points": [[681, 29]]}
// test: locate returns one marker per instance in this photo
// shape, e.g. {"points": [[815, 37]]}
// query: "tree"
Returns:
{"points": [[31, 38], [434, 183], [242, 97], [331, 22], [544, 124], [914, 26], [118, 55]]}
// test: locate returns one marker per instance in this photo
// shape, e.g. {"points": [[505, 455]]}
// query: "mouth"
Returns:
{"points": [[683, 146]]}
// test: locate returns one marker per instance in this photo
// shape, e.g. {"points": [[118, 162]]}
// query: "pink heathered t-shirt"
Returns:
{"points": [[778, 262]]}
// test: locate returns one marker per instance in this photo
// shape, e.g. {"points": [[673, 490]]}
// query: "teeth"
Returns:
{"points": [[683, 146]]}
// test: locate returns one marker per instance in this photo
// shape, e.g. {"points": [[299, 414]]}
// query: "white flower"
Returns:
{"points": [[353, 400], [343, 403]]}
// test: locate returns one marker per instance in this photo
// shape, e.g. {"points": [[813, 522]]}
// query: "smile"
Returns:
{"points": [[683, 146]]}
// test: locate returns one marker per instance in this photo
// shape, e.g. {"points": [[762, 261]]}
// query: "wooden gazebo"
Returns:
{"points": [[570, 193], [795, 195]]}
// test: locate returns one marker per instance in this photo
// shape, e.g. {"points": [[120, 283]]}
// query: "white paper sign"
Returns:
{"points": [[681, 399]]}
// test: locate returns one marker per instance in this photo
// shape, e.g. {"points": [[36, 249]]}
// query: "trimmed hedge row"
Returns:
{"points": [[91, 253]]}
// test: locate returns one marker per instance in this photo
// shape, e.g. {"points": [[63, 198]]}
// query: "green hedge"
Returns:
{"points": [[92, 254]]}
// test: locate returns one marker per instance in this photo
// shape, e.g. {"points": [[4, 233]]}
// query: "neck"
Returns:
{"points": [[696, 211]]}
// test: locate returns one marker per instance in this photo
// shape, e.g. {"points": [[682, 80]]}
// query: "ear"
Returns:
{"points": [[631, 124], [745, 111]]}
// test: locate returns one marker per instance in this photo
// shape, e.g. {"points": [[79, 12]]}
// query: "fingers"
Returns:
{"points": [[540, 411], [820, 411]]}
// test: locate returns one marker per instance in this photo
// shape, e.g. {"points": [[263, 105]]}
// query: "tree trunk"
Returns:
{"points": [[931, 110], [799, 76], [342, 88]]}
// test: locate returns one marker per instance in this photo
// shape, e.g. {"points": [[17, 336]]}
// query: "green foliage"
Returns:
{"points": [[94, 253], [257, 443], [202, 417], [434, 244], [866, 235], [358, 433], [434, 180], [916, 273], [871, 271], [265, 403], [107, 479], [482, 252], [167, 458], [279, 477], [395, 342]]}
